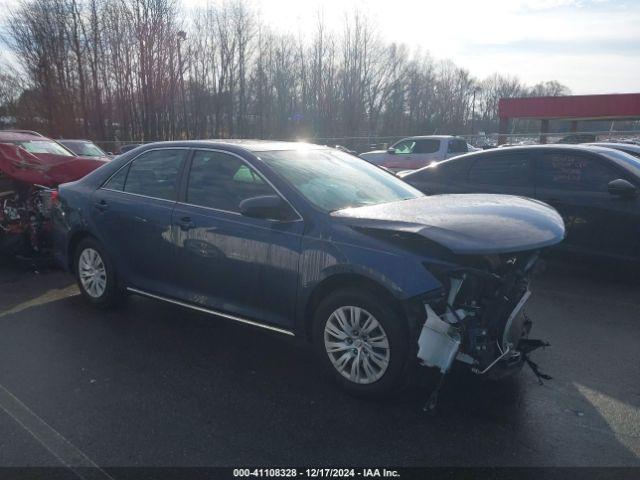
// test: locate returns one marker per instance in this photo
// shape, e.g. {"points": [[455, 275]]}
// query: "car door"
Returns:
{"points": [[403, 157], [509, 173], [227, 261], [426, 151], [446, 177], [575, 183], [132, 216]]}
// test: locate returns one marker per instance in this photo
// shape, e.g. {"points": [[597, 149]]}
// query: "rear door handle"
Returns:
{"points": [[186, 223], [101, 205]]}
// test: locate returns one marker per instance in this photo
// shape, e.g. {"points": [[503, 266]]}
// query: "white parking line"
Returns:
{"points": [[68, 454]]}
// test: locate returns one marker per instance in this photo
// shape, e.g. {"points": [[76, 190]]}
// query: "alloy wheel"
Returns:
{"points": [[92, 273], [357, 345]]}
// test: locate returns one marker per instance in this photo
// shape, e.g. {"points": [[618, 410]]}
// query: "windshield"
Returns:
{"points": [[43, 146], [334, 180], [631, 152], [86, 149], [623, 157]]}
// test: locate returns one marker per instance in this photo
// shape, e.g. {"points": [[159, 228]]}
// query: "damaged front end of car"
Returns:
{"points": [[478, 317], [481, 251], [28, 191]]}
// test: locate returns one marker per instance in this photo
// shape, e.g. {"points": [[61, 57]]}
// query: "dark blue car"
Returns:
{"points": [[312, 242]]}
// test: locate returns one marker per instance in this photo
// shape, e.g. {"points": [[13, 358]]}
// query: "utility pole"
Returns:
{"points": [[473, 108], [182, 35]]}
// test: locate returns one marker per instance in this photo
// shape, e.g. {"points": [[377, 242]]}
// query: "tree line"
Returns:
{"points": [[149, 70]]}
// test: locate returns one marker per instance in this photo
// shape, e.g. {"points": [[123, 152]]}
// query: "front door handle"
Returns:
{"points": [[185, 223], [101, 205]]}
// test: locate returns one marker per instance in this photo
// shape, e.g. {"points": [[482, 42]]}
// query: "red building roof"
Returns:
{"points": [[575, 107]]}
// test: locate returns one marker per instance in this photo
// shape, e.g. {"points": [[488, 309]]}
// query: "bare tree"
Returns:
{"points": [[148, 70]]}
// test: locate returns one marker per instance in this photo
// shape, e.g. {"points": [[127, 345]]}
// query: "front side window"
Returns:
{"points": [[507, 170], [569, 171], [333, 180], [404, 146], [155, 174], [221, 181]]}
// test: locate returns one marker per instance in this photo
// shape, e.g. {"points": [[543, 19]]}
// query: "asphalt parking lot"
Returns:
{"points": [[156, 385]]}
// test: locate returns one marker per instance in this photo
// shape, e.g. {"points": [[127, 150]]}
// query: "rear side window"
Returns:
{"points": [[155, 174], [508, 170], [117, 181], [221, 181], [426, 146], [570, 171], [457, 146]]}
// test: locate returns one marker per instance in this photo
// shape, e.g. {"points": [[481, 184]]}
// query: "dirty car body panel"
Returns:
{"points": [[468, 254]]}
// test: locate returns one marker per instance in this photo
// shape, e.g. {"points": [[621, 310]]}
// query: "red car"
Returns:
{"points": [[31, 167]]}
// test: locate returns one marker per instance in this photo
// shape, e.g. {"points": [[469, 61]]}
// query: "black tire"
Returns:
{"points": [[395, 327], [112, 294]]}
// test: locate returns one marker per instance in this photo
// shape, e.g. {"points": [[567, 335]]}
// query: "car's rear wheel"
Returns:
{"points": [[96, 274], [362, 342]]}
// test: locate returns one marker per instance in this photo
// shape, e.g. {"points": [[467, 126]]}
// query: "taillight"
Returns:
{"points": [[54, 196]]}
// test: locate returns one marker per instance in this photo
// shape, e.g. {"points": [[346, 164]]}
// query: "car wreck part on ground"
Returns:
{"points": [[528, 345], [478, 319]]}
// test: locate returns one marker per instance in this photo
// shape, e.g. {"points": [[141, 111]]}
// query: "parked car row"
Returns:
{"points": [[377, 272]]}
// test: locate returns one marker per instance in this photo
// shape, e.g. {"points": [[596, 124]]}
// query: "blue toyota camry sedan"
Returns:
{"points": [[310, 241]]}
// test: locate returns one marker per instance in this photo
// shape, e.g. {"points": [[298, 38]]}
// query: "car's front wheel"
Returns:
{"points": [[362, 341], [96, 274]]}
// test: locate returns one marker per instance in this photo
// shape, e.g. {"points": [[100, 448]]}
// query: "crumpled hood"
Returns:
{"points": [[466, 224]]}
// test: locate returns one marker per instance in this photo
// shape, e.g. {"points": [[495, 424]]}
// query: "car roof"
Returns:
{"points": [[613, 154], [621, 146], [247, 144], [78, 140], [434, 137], [534, 148], [13, 135]]}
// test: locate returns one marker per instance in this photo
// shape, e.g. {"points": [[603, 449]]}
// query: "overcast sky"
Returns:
{"points": [[592, 46]]}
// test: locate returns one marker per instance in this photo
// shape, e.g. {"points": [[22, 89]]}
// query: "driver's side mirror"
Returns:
{"points": [[391, 150], [268, 207], [622, 188]]}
